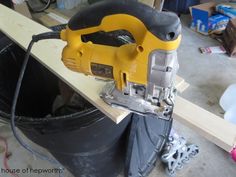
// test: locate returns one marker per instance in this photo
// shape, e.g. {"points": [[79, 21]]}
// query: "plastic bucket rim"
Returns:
{"points": [[23, 119]]}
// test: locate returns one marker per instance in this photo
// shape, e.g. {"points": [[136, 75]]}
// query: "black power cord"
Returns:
{"points": [[35, 38]]}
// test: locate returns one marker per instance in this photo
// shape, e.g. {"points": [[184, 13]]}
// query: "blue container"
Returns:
{"points": [[179, 6]]}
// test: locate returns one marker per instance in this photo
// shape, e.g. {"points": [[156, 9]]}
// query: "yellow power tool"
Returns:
{"points": [[141, 73]]}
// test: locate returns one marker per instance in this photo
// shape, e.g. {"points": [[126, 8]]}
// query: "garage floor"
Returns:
{"points": [[208, 76]]}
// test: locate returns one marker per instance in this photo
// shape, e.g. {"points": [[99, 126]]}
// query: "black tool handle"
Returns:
{"points": [[164, 25]]}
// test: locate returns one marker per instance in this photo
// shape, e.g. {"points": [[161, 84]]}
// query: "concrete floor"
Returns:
{"points": [[209, 76]]}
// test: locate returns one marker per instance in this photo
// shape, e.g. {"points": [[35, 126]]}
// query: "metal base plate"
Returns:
{"points": [[115, 98]]}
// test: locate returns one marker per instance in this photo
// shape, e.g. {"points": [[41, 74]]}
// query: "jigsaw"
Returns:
{"points": [[142, 73]]}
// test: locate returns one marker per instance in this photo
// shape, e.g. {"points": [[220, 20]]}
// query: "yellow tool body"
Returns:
{"points": [[130, 64], [125, 63]]}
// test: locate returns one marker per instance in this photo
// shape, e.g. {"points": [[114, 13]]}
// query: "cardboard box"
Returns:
{"points": [[200, 14], [148, 2], [157, 4]]}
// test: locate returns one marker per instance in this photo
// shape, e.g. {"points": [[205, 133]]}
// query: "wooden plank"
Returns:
{"points": [[158, 4], [48, 21], [48, 52], [148, 2], [20, 29], [180, 84], [210, 126], [52, 18]]}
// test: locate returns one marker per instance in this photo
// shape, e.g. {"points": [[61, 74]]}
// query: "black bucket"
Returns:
{"points": [[86, 142]]}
